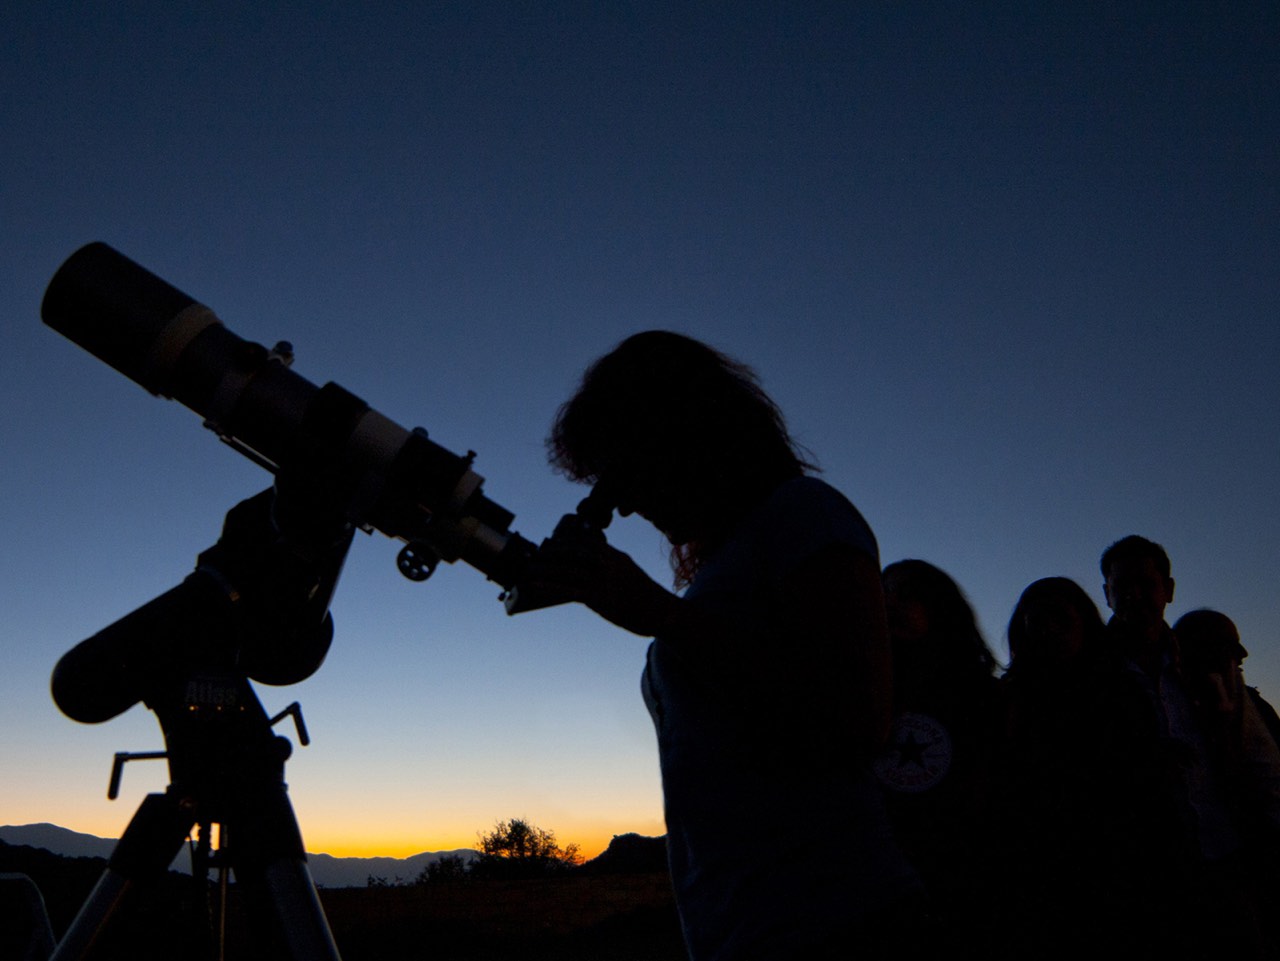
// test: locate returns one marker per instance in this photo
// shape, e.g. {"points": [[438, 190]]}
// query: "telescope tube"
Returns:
{"points": [[387, 478]]}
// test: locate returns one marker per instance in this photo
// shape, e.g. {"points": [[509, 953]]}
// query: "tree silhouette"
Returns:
{"points": [[518, 849]]}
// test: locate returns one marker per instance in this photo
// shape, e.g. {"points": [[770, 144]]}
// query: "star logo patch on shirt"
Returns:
{"points": [[918, 755]]}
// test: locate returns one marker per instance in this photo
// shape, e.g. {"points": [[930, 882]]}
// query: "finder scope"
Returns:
{"points": [[383, 476]]}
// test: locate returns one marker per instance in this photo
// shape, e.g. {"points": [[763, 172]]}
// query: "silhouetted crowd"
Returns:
{"points": [[1116, 790]]}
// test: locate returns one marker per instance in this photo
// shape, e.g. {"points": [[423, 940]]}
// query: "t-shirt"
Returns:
{"points": [[776, 832]]}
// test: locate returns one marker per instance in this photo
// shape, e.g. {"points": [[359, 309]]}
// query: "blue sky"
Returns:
{"points": [[1011, 272]]}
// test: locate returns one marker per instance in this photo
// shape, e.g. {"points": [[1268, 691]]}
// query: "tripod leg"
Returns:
{"points": [[271, 863], [306, 929], [150, 843]]}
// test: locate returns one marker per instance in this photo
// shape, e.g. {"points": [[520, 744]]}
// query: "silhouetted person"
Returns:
{"points": [[1138, 586], [1053, 624], [1243, 734], [1080, 784], [1056, 639], [937, 767], [1241, 727], [1195, 900], [768, 680]]}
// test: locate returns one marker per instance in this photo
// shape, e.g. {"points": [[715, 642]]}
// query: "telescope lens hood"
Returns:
{"points": [[115, 309]]}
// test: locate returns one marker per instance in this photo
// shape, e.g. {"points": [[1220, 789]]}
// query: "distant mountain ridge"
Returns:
{"points": [[68, 843], [326, 870]]}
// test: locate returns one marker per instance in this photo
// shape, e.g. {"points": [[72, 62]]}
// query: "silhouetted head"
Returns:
{"points": [[933, 627], [1134, 547], [1053, 622], [1208, 638], [1136, 582], [680, 434], [1210, 656]]}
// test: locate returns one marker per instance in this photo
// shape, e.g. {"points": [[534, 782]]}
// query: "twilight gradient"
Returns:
{"points": [[1011, 270]]}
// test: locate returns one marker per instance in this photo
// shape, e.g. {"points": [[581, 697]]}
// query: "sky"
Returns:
{"points": [[1012, 271]]}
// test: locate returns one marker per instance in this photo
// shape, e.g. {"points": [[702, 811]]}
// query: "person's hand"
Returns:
{"points": [[577, 564]]}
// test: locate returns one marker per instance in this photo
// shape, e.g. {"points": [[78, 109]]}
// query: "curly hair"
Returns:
{"points": [[664, 401]]}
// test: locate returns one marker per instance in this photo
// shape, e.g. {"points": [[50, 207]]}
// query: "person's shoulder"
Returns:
{"points": [[808, 513], [1264, 708], [809, 494]]}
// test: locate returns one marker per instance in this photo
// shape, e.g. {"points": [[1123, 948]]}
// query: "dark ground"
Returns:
{"points": [[593, 918], [576, 917]]}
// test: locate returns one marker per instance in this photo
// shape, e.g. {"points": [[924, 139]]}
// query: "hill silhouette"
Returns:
{"points": [[327, 871], [630, 854]]}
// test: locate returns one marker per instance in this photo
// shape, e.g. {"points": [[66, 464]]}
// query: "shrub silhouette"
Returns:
{"points": [[518, 849], [447, 869]]}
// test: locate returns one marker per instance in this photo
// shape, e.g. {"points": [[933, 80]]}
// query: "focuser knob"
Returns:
{"points": [[417, 560]]}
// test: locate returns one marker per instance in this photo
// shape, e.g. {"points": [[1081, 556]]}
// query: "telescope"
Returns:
{"points": [[338, 465], [256, 607], [380, 475]]}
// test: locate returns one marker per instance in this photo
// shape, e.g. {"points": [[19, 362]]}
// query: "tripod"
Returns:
{"points": [[227, 768], [256, 606]]}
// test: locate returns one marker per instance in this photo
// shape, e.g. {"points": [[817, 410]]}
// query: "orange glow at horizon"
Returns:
{"points": [[340, 843], [341, 826]]}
